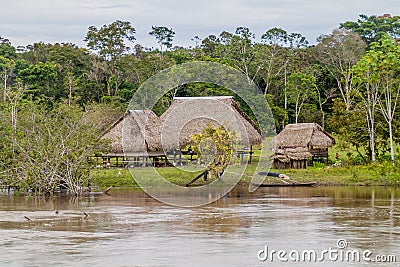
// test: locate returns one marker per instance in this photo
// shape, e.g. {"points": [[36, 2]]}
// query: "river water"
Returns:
{"points": [[129, 228]]}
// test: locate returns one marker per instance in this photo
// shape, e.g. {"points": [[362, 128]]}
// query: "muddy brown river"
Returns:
{"points": [[321, 226]]}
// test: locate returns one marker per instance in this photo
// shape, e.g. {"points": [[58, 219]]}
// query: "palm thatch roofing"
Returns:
{"points": [[142, 130], [288, 154], [303, 135], [190, 115], [296, 140], [135, 131]]}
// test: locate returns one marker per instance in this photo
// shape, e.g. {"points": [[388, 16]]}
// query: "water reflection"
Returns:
{"points": [[128, 228]]}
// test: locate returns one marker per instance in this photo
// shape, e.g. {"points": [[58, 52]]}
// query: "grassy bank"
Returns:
{"points": [[372, 174], [123, 177], [376, 174]]}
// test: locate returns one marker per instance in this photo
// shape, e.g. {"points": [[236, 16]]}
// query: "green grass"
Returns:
{"points": [[123, 178], [376, 174], [372, 174], [112, 177]]}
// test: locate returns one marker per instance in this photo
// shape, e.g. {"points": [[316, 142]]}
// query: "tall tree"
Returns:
{"points": [[301, 87], [163, 35], [372, 28], [110, 42], [239, 51], [386, 57], [210, 45], [6, 49], [41, 80], [37, 52], [350, 126], [6, 70], [274, 60], [338, 52], [325, 89], [377, 72], [296, 40], [367, 77], [278, 58]]}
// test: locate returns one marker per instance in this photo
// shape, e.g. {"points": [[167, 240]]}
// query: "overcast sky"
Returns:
{"points": [[25, 22]]}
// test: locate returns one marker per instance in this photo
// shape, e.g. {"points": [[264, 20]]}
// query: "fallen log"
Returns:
{"points": [[107, 189], [204, 174]]}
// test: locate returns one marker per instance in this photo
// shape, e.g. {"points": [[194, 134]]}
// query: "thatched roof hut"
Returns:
{"points": [[303, 135], [190, 115], [135, 132], [138, 131], [298, 143]]}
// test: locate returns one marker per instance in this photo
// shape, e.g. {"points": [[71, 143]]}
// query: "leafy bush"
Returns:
{"points": [[318, 165], [51, 148]]}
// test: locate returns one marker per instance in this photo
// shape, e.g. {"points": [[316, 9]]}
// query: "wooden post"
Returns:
{"points": [[174, 152]]}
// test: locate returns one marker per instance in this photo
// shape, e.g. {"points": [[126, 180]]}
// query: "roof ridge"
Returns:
{"points": [[200, 97]]}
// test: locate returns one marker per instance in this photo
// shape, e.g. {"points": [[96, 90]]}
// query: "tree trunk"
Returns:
{"points": [[14, 125], [370, 103], [373, 156], [70, 95], [298, 107], [321, 109], [5, 88], [372, 138], [322, 119], [348, 95], [284, 89], [391, 142]]}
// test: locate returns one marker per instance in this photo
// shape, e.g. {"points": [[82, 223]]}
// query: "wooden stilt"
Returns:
{"points": [[251, 154]]}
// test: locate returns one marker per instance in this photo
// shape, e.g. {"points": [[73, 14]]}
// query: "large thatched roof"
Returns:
{"points": [[135, 131], [190, 115], [142, 130], [305, 135]]}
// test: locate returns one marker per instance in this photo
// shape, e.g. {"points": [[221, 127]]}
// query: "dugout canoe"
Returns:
{"points": [[294, 184]]}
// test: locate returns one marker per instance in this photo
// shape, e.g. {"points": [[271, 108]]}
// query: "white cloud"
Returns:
{"points": [[25, 22]]}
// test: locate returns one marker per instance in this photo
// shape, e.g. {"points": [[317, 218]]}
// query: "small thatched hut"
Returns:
{"points": [[134, 138], [134, 132], [299, 143]]}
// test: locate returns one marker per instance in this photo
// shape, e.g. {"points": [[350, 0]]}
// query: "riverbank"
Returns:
{"points": [[363, 175], [353, 172]]}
